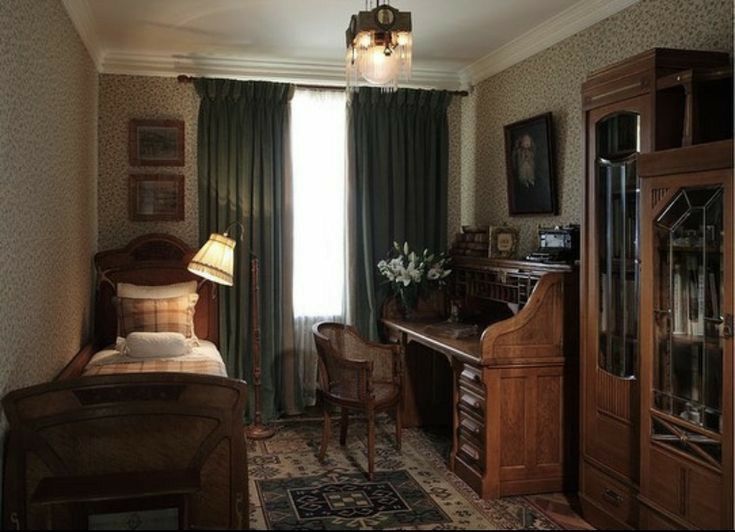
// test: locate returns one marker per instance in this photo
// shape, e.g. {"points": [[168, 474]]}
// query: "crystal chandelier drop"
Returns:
{"points": [[379, 45]]}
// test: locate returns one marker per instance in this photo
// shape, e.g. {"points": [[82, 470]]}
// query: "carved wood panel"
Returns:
{"points": [[613, 395], [657, 194]]}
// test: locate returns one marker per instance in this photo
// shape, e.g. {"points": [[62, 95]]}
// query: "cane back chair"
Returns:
{"points": [[359, 376]]}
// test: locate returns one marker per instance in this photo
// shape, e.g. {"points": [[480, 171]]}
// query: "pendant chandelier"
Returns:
{"points": [[379, 45]]}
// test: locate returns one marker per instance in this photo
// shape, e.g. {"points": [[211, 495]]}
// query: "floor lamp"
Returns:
{"points": [[215, 262]]}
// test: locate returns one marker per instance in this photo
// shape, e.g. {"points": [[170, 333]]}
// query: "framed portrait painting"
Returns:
{"points": [[156, 142], [156, 197], [529, 165]]}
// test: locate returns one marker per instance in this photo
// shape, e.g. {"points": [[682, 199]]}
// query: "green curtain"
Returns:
{"points": [[398, 166], [243, 167]]}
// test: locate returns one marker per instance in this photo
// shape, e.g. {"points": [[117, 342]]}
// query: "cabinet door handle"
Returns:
{"points": [[727, 327], [612, 497]]}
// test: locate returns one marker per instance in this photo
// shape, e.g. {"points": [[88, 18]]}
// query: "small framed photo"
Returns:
{"points": [[156, 142], [503, 242], [529, 165], [156, 197]]}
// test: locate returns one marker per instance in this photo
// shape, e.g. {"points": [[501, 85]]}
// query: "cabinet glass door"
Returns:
{"points": [[618, 145], [689, 292]]}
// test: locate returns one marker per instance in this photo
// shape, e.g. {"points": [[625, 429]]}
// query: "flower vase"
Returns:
{"points": [[409, 300]]}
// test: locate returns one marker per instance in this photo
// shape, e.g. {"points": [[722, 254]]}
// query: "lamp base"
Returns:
{"points": [[259, 432]]}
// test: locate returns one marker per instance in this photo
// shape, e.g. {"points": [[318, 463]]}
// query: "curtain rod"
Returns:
{"points": [[183, 78]]}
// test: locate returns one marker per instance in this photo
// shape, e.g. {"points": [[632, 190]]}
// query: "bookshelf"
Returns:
{"points": [[686, 336], [660, 99]]}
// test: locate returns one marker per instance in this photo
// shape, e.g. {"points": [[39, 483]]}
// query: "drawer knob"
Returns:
{"points": [[612, 497]]}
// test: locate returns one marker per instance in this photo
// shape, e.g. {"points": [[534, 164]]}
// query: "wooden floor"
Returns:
{"points": [[562, 509]]}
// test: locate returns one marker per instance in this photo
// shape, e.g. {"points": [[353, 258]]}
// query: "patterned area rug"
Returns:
{"points": [[412, 489]]}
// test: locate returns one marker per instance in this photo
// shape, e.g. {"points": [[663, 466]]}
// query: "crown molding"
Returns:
{"points": [[572, 20], [311, 72], [81, 18]]}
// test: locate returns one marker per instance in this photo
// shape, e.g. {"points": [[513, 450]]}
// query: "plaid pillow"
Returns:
{"points": [[173, 314]]}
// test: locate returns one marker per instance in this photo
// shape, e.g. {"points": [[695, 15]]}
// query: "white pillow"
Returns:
{"points": [[156, 344], [134, 291]]}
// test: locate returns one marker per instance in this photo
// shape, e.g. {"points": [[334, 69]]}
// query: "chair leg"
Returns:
{"points": [[371, 444], [399, 426], [344, 422], [325, 434]]}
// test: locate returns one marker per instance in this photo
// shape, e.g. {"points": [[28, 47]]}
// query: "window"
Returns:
{"points": [[318, 124]]}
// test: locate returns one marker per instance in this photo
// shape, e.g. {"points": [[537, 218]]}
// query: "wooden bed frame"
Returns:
{"points": [[83, 445]]}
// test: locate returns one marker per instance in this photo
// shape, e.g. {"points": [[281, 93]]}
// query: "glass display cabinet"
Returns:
{"points": [[618, 145], [657, 100], [686, 340], [689, 289], [617, 134]]}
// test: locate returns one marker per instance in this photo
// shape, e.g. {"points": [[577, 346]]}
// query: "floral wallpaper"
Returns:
{"points": [[48, 184], [454, 182], [123, 98], [551, 81]]}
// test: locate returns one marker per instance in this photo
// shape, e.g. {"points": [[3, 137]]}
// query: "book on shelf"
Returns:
{"points": [[680, 302], [713, 304], [695, 296]]}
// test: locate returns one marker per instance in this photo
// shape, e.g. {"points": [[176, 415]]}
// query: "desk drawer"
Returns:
{"points": [[472, 453], [471, 401], [608, 494], [471, 375], [470, 378], [471, 427]]}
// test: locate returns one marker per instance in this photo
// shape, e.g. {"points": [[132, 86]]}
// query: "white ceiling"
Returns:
{"points": [[455, 41]]}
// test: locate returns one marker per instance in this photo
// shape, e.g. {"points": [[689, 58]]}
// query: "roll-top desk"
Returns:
{"points": [[513, 396]]}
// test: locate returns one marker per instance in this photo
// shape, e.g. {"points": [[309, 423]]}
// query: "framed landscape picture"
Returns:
{"points": [[156, 142], [156, 197], [529, 165]]}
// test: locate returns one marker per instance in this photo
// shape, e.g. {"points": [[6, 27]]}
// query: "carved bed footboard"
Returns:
{"points": [[98, 433]]}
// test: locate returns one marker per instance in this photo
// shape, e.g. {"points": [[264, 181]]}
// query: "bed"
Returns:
{"points": [[110, 435]]}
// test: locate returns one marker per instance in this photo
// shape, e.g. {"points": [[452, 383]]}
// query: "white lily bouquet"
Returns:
{"points": [[408, 272]]}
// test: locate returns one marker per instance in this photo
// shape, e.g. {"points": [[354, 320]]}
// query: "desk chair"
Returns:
{"points": [[357, 375]]}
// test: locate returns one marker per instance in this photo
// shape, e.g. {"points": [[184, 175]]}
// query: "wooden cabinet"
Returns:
{"points": [[630, 108], [686, 336]]}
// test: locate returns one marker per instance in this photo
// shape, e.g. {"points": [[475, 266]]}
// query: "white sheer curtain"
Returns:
{"points": [[318, 147]]}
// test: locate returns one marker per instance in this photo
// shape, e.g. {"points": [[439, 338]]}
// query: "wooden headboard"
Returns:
{"points": [[153, 259]]}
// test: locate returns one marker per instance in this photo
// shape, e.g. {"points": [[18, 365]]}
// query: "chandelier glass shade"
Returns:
{"points": [[379, 46]]}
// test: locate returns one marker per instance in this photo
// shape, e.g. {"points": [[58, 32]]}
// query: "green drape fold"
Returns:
{"points": [[398, 170], [242, 148]]}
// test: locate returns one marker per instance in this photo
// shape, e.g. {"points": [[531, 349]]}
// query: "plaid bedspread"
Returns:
{"points": [[207, 367]]}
